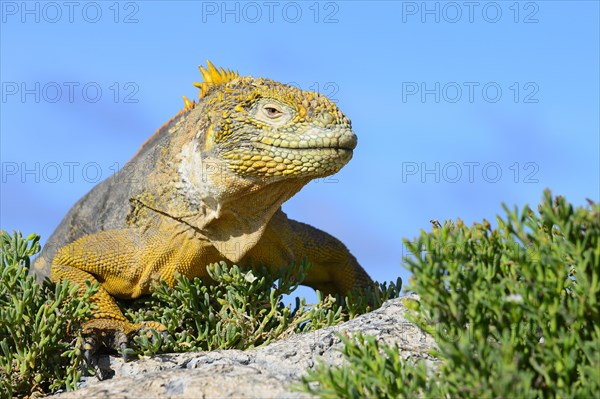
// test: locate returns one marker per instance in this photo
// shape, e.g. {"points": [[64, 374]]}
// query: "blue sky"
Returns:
{"points": [[458, 106]]}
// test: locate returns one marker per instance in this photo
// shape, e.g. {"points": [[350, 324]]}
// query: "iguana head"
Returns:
{"points": [[264, 129]]}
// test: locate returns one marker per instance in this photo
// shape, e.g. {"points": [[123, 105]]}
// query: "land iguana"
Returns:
{"points": [[208, 186]]}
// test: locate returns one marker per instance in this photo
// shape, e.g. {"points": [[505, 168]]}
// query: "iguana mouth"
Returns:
{"points": [[262, 146], [335, 141]]}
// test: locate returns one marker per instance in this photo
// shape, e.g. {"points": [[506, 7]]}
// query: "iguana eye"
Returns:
{"points": [[272, 112]]}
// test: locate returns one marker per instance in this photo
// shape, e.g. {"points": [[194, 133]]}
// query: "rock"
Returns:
{"points": [[266, 372]]}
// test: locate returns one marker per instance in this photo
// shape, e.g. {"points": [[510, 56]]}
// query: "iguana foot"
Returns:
{"points": [[112, 334], [107, 333]]}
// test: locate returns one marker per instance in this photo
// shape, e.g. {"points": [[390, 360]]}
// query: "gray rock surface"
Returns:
{"points": [[266, 372]]}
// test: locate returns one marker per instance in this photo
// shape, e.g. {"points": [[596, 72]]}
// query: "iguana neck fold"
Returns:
{"points": [[235, 225]]}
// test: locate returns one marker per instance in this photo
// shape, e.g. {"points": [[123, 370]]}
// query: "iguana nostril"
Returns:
{"points": [[348, 141]]}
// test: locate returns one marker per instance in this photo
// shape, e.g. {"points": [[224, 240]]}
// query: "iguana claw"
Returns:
{"points": [[90, 346]]}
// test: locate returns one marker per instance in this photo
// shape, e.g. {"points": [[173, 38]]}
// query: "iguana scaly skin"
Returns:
{"points": [[208, 186]]}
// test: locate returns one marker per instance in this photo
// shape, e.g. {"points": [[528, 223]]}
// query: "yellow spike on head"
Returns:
{"points": [[213, 77]]}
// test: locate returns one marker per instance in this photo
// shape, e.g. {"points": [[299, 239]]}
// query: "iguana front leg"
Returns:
{"points": [[109, 327], [126, 263], [334, 269]]}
